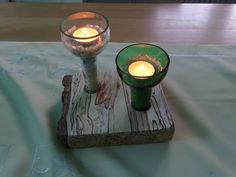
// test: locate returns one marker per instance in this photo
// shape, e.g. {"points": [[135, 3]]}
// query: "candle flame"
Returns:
{"points": [[84, 32], [141, 67]]}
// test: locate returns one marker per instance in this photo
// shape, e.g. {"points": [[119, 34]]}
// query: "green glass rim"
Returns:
{"points": [[143, 77], [82, 38]]}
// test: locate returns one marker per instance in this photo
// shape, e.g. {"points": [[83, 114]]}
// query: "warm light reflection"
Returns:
{"points": [[85, 32], [141, 69]]}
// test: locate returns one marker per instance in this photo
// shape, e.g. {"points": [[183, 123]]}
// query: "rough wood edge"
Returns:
{"points": [[62, 123]]}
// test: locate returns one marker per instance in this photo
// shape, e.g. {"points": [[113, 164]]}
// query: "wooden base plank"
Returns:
{"points": [[107, 117]]}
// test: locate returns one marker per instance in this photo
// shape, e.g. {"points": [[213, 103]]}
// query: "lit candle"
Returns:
{"points": [[85, 32], [141, 69]]}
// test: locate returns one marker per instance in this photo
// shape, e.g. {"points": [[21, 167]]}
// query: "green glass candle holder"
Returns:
{"points": [[142, 66]]}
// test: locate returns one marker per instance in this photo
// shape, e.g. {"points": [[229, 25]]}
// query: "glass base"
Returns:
{"points": [[93, 90], [141, 109]]}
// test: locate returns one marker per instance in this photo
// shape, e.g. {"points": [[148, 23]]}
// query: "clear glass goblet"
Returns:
{"points": [[85, 34]]}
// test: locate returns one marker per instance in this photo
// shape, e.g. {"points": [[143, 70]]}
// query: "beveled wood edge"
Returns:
{"points": [[123, 138], [62, 134]]}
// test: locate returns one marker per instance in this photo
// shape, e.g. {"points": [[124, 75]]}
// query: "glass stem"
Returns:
{"points": [[90, 75]]}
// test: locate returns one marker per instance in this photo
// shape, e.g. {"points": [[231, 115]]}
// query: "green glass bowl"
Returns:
{"points": [[136, 52], [141, 85]]}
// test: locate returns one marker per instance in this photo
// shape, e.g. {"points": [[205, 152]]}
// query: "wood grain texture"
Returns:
{"points": [[171, 23], [107, 118]]}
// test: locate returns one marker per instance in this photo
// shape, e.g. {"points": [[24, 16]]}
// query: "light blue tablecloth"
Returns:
{"points": [[200, 89]]}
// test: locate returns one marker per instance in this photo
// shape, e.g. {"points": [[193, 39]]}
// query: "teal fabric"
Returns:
{"points": [[200, 91]]}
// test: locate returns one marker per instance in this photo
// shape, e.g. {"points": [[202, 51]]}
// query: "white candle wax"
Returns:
{"points": [[85, 32], [141, 69]]}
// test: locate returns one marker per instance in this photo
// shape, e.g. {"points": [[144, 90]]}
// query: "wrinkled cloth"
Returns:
{"points": [[200, 89]]}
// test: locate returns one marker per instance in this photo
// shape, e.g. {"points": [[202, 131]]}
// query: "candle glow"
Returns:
{"points": [[141, 69], [85, 32]]}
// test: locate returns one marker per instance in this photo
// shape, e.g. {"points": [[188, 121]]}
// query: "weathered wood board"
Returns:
{"points": [[107, 117]]}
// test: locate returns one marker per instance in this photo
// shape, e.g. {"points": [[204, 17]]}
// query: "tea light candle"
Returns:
{"points": [[85, 32], [141, 69]]}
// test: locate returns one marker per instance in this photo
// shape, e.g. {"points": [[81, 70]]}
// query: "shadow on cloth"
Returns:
{"points": [[110, 152], [184, 112], [54, 114], [27, 119], [143, 163]]}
